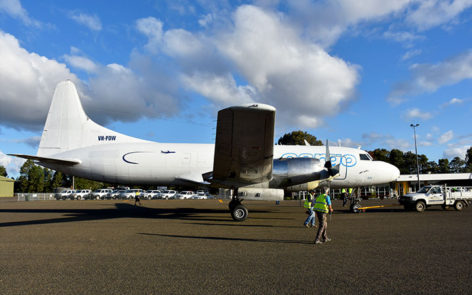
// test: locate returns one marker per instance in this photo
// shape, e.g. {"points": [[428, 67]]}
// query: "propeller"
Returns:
{"points": [[328, 165]]}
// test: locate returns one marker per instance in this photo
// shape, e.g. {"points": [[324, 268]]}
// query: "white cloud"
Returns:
{"points": [[402, 36], [325, 21], [90, 21], [152, 29], [205, 20], [417, 114], [11, 164], [14, 9], [220, 89], [445, 137], [410, 54], [259, 57], [385, 140], [27, 81], [455, 151], [430, 77], [298, 77], [81, 62], [431, 13]]}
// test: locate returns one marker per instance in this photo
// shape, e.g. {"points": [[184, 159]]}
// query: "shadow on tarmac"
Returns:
{"points": [[122, 211], [231, 239]]}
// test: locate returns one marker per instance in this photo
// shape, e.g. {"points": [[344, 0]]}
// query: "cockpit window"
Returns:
{"points": [[364, 157]]}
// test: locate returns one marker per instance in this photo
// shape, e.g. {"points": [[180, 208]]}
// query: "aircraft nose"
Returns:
{"points": [[391, 172]]}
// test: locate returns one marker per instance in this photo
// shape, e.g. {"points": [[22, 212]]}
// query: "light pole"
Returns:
{"points": [[416, 152]]}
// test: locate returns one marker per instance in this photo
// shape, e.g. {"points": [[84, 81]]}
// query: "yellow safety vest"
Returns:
{"points": [[350, 190], [343, 190], [307, 204], [320, 204]]}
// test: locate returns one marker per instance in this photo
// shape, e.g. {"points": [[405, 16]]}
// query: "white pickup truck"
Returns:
{"points": [[431, 195]]}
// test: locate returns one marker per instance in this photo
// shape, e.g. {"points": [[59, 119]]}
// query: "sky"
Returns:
{"points": [[356, 73]]}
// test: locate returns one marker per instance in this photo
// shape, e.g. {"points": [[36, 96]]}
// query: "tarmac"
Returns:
{"points": [[194, 247]]}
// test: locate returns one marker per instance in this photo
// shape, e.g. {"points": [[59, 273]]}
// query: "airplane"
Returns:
{"points": [[243, 158]]}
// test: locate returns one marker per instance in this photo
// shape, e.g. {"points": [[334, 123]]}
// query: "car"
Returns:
{"points": [[185, 195], [168, 194], [201, 195], [100, 194], [131, 193], [81, 194], [116, 194], [152, 194], [65, 194]]}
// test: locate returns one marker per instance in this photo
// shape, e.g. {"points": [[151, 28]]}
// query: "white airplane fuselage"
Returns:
{"points": [[165, 163]]}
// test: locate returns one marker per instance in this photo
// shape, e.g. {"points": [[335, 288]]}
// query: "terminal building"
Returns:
{"points": [[408, 183]]}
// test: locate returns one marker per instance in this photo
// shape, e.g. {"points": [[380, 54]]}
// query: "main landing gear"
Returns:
{"points": [[238, 211]]}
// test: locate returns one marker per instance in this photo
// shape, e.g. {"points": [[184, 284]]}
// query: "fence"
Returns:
{"points": [[34, 196]]}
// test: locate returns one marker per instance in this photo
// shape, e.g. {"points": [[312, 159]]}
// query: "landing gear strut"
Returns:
{"points": [[355, 202], [238, 211]]}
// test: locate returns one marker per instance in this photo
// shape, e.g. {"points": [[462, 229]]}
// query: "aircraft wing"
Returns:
{"points": [[244, 146], [55, 161]]}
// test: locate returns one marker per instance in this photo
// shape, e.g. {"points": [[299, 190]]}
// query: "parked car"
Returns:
{"points": [[66, 194], [168, 194], [131, 193], [201, 195], [152, 194], [82, 194], [185, 195], [116, 194], [100, 194]]}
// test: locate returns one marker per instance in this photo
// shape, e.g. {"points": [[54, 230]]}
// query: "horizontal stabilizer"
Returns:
{"points": [[55, 161]]}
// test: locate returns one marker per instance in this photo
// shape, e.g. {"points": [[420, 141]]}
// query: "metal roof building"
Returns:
{"points": [[6, 187], [409, 182]]}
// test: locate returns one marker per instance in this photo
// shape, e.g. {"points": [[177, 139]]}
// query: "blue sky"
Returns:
{"points": [[357, 73]]}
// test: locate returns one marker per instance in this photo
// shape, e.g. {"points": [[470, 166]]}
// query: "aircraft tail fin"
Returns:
{"points": [[68, 126]]}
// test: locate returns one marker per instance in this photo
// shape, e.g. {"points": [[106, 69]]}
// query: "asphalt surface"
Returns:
{"points": [[194, 247]]}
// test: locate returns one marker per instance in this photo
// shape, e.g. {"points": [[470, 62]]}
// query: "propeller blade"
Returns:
{"points": [[328, 157]]}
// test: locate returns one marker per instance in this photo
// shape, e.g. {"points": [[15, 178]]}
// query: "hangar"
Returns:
{"points": [[6, 187]]}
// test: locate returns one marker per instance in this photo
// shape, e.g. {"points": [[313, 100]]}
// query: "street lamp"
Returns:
{"points": [[416, 152]]}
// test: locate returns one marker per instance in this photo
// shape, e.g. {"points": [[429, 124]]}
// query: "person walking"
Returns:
{"points": [[322, 206], [310, 220], [344, 196], [136, 199]]}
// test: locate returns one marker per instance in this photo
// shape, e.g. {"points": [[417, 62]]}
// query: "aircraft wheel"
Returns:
{"points": [[420, 206], [239, 213], [459, 205], [355, 208]]}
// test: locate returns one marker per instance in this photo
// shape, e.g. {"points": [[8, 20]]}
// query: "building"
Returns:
{"points": [[6, 187], [409, 182]]}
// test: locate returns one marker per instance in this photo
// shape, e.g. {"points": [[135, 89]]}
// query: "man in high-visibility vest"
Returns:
{"points": [[322, 206], [310, 220], [344, 196]]}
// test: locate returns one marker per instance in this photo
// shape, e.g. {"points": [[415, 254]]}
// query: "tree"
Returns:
{"points": [[444, 166], [56, 180], [431, 167], [3, 171], [396, 158], [82, 183], [457, 165], [468, 160], [380, 155], [298, 138]]}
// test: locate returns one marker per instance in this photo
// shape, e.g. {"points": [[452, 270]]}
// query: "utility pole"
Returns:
{"points": [[416, 152]]}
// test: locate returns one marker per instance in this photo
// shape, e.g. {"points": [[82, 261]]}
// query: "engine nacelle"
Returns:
{"points": [[297, 171], [261, 194]]}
